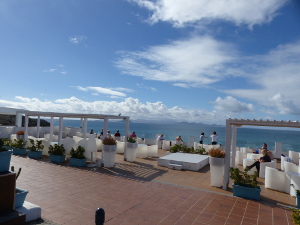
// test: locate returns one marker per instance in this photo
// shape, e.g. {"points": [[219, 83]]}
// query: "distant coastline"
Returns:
{"points": [[10, 120]]}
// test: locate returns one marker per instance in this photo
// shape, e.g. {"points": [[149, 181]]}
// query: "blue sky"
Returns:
{"points": [[193, 60]]}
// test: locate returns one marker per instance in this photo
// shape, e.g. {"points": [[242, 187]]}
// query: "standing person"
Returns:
{"points": [[214, 138], [202, 138], [91, 131], [108, 134], [160, 139]]}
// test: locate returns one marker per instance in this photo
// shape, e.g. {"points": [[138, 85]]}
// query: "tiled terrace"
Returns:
{"points": [[142, 193]]}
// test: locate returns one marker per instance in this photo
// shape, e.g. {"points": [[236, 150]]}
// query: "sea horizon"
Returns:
{"points": [[252, 137]]}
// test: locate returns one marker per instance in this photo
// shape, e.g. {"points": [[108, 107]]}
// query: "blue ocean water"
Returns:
{"points": [[246, 137]]}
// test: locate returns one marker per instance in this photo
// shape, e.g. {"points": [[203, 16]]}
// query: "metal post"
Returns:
{"points": [[99, 216]]}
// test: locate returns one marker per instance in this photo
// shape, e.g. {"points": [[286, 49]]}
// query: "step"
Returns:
{"points": [[175, 166], [31, 211]]}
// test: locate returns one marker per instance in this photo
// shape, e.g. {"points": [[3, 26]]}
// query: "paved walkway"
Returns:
{"points": [[141, 193]]}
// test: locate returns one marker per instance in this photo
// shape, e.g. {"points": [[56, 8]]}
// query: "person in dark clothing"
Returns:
{"points": [[264, 158]]}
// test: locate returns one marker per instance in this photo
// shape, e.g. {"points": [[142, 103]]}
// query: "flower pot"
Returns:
{"points": [[298, 201], [7, 147], [57, 158], [19, 136], [20, 197], [19, 151], [5, 158], [108, 155], [216, 171], [246, 192], [34, 155], [131, 151], [77, 162]]}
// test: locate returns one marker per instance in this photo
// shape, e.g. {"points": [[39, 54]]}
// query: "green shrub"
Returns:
{"points": [[243, 179], [78, 153], [57, 150], [131, 140]]}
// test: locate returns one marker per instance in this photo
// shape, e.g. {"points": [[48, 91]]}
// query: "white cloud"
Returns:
{"points": [[195, 61], [190, 12], [129, 107], [230, 104], [50, 70], [284, 105], [63, 72], [270, 74], [107, 91], [77, 39]]}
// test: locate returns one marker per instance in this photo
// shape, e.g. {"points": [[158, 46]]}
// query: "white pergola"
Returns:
{"points": [[13, 111], [61, 116], [230, 138]]}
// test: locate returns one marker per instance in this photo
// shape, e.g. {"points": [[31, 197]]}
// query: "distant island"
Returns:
{"points": [[10, 120]]}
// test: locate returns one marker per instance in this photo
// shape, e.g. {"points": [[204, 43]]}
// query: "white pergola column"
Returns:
{"points": [[60, 130], [233, 145], [38, 126], [191, 142], [26, 127], [227, 154], [85, 127], [18, 122], [105, 127], [81, 124], [51, 128], [126, 136]]}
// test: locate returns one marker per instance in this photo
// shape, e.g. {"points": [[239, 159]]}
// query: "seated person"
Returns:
{"points": [[133, 135], [117, 134], [264, 158], [264, 146]]}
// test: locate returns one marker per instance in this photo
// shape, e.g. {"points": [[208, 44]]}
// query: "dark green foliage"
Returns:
{"points": [[131, 140], [35, 145], [2, 149], [243, 179], [185, 149], [18, 143], [78, 153], [201, 151], [57, 150], [12, 168], [296, 216]]}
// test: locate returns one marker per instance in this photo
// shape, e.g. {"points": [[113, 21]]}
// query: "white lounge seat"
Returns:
{"points": [[120, 147], [142, 151], [263, 166], [294, 156], [275, 179], [152, 151], [254, 156], [46, 147], [68, 143], [290, 167], [239, 157]]}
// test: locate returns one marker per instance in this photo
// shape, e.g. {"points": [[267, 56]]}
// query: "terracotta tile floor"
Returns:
{"points": [[142, 193]]}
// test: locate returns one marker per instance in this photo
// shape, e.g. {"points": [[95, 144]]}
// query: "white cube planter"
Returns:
{"points": [[216, 171], [108, 155], [131, 151]]}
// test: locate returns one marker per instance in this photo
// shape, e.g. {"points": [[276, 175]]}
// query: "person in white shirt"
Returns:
{"points": [[160, 139], [202, 138], [214, 138]]}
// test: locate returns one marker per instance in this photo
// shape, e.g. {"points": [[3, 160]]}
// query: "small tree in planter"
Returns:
{"points": [[18, 146], [216, 161], [109, 149], [20, 193], [131, 149], [57, 153], [6, 143], [297, 197], [296, 216], [35, 150], [245, 185], [77, 156], [5, 157]]}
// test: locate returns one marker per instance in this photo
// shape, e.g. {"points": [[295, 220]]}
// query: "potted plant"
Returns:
{"points": [[245, 185], [297, 196], [35, 150], [131, 149], [18, 146], [5, 157], [77, 156], [6, 143], [295, 216], [216, 162], [109, 149], [57, 153], [20, 193], [20, 134]]}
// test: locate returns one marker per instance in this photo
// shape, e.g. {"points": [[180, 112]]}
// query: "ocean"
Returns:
{"points": [[246, 137]]}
